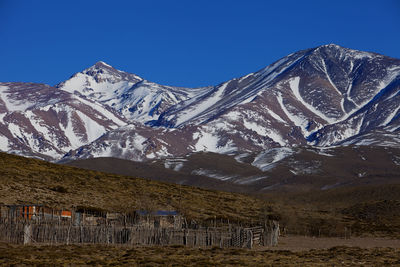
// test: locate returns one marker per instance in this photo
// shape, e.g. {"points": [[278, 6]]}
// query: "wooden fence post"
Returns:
{"points": [[27, 234], [250, 239]]}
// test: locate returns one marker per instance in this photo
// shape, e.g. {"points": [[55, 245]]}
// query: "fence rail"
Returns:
{"points": [[25, 232]]}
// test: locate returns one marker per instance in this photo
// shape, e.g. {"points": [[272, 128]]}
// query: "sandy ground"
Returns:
{"points": [[301, 243]]}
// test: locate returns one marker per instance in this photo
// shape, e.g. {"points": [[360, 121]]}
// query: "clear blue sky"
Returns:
{"points": [[182, 43]]}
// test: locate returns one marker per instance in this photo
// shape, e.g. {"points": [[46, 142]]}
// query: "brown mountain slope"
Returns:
{"points": [[301, 169], [155, 171], [24, 181]]}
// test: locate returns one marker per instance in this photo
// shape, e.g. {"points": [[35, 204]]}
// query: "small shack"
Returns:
{"points": [[159, 219], [89, 216], [33, 212]]}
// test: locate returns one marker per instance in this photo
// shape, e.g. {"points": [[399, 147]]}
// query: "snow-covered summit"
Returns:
{"points": [[135, 98], [99, 81], [342, 53], [102, 64]]}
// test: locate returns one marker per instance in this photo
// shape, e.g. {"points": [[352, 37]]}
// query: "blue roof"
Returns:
{"points": [[158, 212]]}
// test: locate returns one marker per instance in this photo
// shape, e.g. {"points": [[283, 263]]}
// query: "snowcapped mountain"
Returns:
{"points": [[130, 95], [325, 96], [318, 86], [43, 121]]}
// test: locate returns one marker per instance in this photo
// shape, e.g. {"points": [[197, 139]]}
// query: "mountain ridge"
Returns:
{"points": [[323, 96]]}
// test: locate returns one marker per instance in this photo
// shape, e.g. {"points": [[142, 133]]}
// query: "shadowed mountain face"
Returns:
{"points": [[292, 170], [326, 96]]}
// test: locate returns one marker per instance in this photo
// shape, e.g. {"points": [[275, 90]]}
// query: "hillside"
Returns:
{"points": [[31, 181], [296, 169], [156, 170]]}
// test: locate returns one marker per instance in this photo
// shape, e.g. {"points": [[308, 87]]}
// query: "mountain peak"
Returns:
{"points": [[102, 64], [101, 68], [331, 46], [340, 52]]}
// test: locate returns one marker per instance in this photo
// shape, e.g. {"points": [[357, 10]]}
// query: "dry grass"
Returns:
{"points": [[304, 243], [357, 211], [182, 256], [24, 180]]}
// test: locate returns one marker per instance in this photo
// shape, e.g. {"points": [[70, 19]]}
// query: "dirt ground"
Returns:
{"points": [[301, 243], [292, 251]]}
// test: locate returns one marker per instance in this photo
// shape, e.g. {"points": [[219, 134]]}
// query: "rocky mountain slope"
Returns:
{"points": [[42, 121], [325, 96]]}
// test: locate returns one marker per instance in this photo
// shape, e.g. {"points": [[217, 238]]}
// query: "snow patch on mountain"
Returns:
{"points": [[75, 140], [329, 78], [175, 164], [239, 158], [391, 74], [93, 129], [3, 143], [250, 179], [263, 131], [42, 128], [13, 104], [297, 119], [207, 140], [267, 160], [294, 86], [106, 114], [321, 151], [214, 174], [276, 116], [391, 116], [196, 110]]}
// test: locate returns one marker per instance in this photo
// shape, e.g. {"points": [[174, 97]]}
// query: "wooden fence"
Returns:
{"points": [[26, 232]]}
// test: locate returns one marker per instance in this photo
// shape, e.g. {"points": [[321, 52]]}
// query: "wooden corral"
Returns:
{"points": [[159, 219], [31, 233], [39, 224], [84, 218]]}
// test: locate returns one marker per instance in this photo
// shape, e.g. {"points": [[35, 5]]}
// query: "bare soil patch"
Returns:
{"points": [[302, 243]]}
